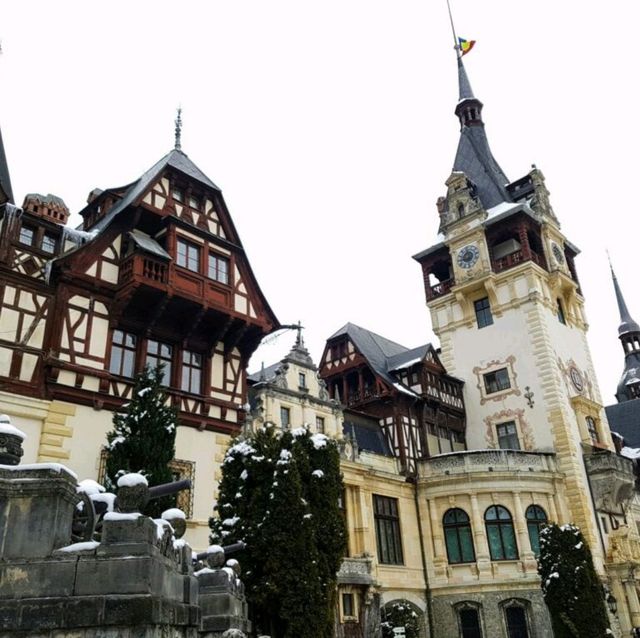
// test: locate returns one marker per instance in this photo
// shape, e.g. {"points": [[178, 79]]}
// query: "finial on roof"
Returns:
{"points": [[178, 145], [263, 376]]}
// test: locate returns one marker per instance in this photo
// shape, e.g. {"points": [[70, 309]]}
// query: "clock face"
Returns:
{"points": [[468, 256], [576, 378], [557, 253]]}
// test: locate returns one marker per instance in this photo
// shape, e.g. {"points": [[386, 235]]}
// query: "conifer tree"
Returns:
{"points": [[143, 438], [279, 494], [570, 585]]}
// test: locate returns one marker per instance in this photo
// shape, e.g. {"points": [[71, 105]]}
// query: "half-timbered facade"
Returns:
{"points": [[156, 274], [418, 405]]}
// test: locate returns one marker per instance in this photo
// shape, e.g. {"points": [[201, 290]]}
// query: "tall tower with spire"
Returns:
{"points": [[506, 304], [629, 335]]}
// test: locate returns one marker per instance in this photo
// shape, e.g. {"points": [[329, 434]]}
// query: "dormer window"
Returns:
{"points": [[48, 244], [177, 194], [26, 236]]}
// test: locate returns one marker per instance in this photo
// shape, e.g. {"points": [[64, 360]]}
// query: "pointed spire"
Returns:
{"points": [[178, 131], [5, 181], [299, 352], [627, 324], [464, 86]]}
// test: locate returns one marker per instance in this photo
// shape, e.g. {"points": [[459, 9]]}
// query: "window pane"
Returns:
{"points": [[195, 380], [387, 525], [470, 623], [509, 541], [48, 244], [466, 544], [495, 541], [26, 236], [453, 548], [516, 622], [128, 363], [116, 360]]}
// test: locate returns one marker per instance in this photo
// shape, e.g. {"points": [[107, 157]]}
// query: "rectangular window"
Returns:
{"points": [[320, 424], [561, 318], [387, 521], [285, 417], [188, 256], [194, 202], [302, 380], [159, 353], [508, 436], [348, 610], [593, 429], [48, 244], [177, 194], [26, 236], [496, 381], [470, 623], [123, 354], [483, 312], [218, 268], [191, 372]]}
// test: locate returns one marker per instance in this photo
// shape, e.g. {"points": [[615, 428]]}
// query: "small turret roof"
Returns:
{"points": [[627, 324]]}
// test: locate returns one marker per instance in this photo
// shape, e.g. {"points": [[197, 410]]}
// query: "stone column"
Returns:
{"points": [[481, 545], [632, 600], [526, 553], [439, 553]]}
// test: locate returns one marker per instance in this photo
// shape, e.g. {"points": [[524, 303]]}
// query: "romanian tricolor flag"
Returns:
{"points": [[464, 46]]}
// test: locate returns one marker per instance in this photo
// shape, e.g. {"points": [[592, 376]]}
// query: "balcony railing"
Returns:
{"points": [[139, 266], [440, 289], [513, 259]]}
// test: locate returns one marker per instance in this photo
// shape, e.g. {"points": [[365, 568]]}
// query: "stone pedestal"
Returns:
{"points": [[39, 501]]}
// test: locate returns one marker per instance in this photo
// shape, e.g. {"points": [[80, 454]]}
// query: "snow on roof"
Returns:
{"points": [[631, 452]]}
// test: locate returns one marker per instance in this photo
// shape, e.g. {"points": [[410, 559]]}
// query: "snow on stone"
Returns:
{"points": [[7, 428], [204, 570], [107, 498], [161, 526], [214, 549], [89, 487], [173, 512], [230, 573], [232, 562], [132, 479], [55, 467], [122, 516], [80, 547], [319, 440], [179, 543], [317, 473]]}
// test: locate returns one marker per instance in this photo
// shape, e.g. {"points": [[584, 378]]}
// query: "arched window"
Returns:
{"points": [[516, 617], [469, 620], [500, 534], [457, 534], [536, 519]]}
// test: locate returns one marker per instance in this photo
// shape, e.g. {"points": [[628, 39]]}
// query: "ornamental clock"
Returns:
{"points": [[468, 256]]}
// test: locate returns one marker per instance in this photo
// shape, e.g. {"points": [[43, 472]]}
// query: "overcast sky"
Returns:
{"points": [[329, 127]]}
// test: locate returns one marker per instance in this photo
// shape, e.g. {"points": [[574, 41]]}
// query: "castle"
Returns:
{"points": [[454, 455]]}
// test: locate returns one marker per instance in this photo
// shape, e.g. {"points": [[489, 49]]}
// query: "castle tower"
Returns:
{"points": [[629, 335], [506, 304]]}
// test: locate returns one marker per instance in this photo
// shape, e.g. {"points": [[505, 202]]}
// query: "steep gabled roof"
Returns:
{"points": [[379, 352], [174, 159], [624, 418]]}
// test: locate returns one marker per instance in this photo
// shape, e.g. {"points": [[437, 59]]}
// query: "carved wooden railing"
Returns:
{"points": [[144, 267], [513, 259], [440, 289]]}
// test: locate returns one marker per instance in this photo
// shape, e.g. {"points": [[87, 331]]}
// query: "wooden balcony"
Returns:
{"points": [[513, 259], [142, 269], [433, 292]]}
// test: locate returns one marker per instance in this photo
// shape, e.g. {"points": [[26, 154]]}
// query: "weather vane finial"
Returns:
{"points": [[178, 145]]}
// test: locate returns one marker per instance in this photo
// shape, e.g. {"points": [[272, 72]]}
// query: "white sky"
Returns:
{"points": [[329, 127]]}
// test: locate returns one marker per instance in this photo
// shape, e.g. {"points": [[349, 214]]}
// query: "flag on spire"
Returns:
{"points": [[464, 46]]}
